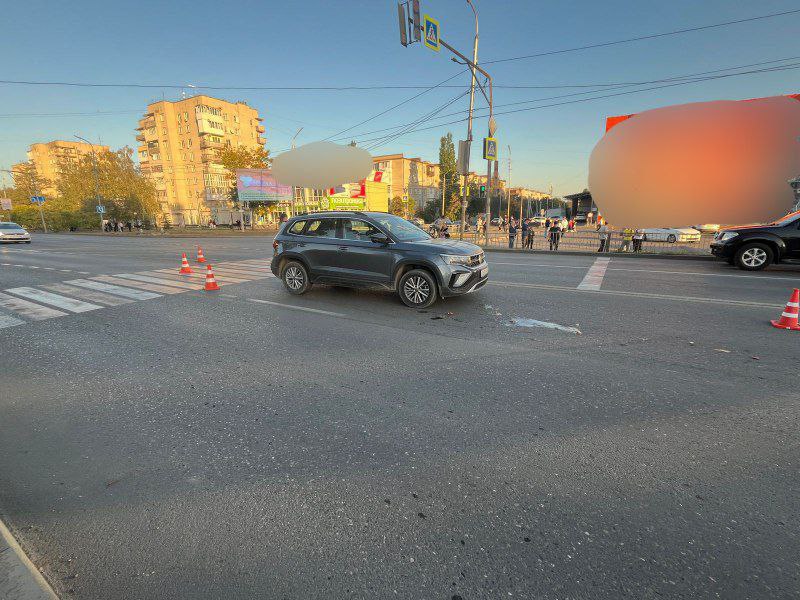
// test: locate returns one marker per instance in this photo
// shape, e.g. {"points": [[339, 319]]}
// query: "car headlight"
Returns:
{"points": [[456, 259], [726, 235]]}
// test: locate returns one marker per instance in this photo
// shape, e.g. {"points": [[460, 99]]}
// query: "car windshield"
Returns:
{"points": [[9, 226], [791, 217], [402, 229]]}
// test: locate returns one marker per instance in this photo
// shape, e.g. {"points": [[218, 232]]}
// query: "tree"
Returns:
{"points": [[242, 157], [397, 206], [27, 183], [448, 173], [122, 188]]}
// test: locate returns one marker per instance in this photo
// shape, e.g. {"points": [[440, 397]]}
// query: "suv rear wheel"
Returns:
{"points": [[753, 257], [295, 277], [417, 288]]}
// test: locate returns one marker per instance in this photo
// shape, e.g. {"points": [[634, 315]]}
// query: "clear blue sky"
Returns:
{"points": [[316, 42]]}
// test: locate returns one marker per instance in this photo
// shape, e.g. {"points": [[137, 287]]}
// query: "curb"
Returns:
{"points": [[19, 578], [698, 257]]}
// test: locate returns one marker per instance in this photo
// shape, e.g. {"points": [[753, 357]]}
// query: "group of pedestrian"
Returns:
{"points": [[440, 228], [632, 239], [118, 226]]}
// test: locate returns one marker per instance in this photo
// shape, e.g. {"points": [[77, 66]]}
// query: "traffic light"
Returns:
{"points": [[483, 191]]}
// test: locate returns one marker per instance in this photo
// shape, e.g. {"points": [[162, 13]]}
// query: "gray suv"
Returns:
{"points": [[369, 249]]}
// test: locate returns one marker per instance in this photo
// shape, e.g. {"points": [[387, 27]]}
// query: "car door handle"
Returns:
{"points": [[343, 248]]}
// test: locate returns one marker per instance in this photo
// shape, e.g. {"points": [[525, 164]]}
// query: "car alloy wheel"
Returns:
{"points": [[416, 289], [754, 257], [294, 278], [671, 238]]}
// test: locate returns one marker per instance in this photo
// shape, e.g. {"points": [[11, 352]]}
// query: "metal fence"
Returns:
{"points": [[586, 240]]}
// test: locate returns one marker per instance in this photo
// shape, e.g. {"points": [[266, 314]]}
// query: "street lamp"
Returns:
{"points": [[96, 180], [302, 190]]}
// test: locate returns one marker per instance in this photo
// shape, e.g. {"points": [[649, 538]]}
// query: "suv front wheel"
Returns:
{"points": [[753, 257], [417, 288], [295, 277]]}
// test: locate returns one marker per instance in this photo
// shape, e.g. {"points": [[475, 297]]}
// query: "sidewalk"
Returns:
{"points": [[19, 578]]}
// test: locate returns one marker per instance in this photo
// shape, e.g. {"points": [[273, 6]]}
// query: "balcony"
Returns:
{"points": [[146, 124], [260, 128], [208, 144], [140, 137], [261, 140]]}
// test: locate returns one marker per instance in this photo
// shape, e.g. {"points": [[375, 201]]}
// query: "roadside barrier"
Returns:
{"points": [[185, 268], [788, 318]]}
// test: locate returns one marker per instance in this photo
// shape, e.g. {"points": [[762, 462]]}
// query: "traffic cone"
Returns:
{"points": [[211, 283], [185, 268], [788, 318], [200, 257]]}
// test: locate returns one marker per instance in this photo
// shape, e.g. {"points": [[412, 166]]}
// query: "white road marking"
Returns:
{"points": [[57, 300], [90, 295], [9, 321], [37, 312], [140, 285], [114, 289], [303, 308], [594, 278], [562, 288], [202, 276], [162, 281], [66, 270], [701, 273]]}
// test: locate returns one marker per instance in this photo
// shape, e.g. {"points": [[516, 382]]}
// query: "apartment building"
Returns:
{"points": [[413, 177], [50, 158], [178, 148]]}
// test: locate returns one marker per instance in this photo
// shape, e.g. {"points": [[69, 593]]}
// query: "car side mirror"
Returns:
{"points": [[380, 238]]}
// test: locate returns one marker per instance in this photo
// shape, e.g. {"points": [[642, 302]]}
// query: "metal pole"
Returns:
{"points": [[96, 180], [469, 120], [294, 137], [443, 179]]}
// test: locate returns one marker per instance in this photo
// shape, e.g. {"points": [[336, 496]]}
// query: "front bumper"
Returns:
{"points": [[722, 250], [14, 238], [458, 280]]}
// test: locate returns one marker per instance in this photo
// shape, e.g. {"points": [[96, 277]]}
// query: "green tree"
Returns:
{"points": [[122, 188], [27, 183], [448, 173], [397, 206], [241, 157]]}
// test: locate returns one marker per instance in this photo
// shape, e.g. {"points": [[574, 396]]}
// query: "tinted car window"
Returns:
{"points": [[321, 228], [402, 229], [9, 226], [355, 229]]}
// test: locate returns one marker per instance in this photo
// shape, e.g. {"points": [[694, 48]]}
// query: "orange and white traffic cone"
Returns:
{"points": [[788, 318], [185, 268], [211, 283], [200, 257]]}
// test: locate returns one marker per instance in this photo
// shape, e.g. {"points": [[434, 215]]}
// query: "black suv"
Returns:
{"points": [[368, 249], [753, 247]]}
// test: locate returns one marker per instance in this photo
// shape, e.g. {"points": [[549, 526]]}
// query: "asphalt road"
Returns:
{"points": [[250, 444]]}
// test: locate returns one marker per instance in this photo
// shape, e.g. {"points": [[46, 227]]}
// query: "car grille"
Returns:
{"points": [[476, 259]]}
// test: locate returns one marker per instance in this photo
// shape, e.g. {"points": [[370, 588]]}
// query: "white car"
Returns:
{"points": [[707, 227], [13, 233], [672, 234]]}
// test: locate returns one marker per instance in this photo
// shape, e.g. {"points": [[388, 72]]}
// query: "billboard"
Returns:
{"points": [[258, 185]]}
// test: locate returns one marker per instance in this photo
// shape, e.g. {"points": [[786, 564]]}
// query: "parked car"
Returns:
{"points": [[707, 228], [538, 221], [580, 218], [755, 247], [367, 249], [12, 233], [672, 234], [495, 221]]}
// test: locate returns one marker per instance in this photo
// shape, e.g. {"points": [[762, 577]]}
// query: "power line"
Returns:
{"points": [[644, 37], [391, 108], [691, 77], [580, 100]]}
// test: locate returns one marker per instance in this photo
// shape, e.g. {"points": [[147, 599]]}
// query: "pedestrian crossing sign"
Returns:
{"points": [[432, 31], [490, 148]]}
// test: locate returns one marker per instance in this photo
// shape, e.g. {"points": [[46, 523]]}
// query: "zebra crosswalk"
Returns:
{"points": [[21, 305]]}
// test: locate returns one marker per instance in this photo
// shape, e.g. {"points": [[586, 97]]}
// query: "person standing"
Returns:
{"points": [[638, 238], [602, 231], [528, 239], [524, 226], [554, 234], [627, 239], [512, 232]]}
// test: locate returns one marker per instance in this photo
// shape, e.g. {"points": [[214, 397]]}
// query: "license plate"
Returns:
{"points": [[484, 272]]}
